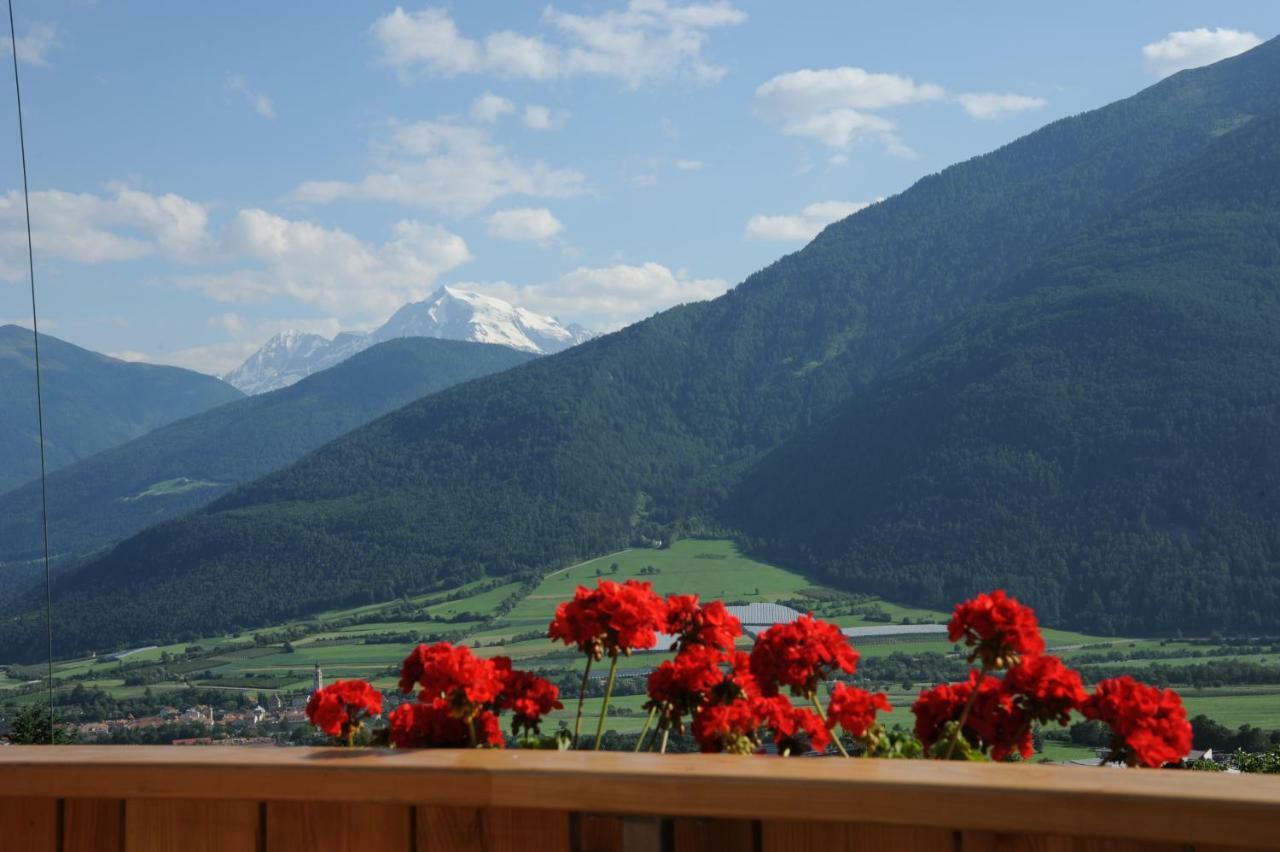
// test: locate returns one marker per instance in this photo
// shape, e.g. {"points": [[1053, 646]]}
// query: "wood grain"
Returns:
{"points": [[795, 836], [338, 827], [492, 830], [28, 824], [976, 841], [93, 825], [598, 833], [160, 825], [713, 835]]}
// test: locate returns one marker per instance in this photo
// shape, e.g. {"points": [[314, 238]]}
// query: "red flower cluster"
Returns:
{"points": [[528, 697], [795, 730], [417, 724], [1045, 689], [855, 709], [800, 655], [613, 618], [460, 696], [998, 628], [340, 708], [721, 690], [994, 721], [711, 625], [443, 670], [1149, 724]]}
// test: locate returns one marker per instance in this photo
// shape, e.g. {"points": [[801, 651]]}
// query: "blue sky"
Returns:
{"points": [[206, 174]]}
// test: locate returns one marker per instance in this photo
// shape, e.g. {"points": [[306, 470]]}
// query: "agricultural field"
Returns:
{"points": [[510, 618]]}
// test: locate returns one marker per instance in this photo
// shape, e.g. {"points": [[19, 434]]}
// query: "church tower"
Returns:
{"points": [[317, 680]]}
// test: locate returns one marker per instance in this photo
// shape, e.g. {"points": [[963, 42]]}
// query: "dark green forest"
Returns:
{"points": [[112, 495], [91, 402], [1098, 436], [655, 427]]}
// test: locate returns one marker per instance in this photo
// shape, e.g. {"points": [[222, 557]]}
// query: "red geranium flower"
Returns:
{"points": [[678, 687], [727, 727], [340, 707], [800, 655], [419, 724], [1149, 724], [711, 625], [1045, 689], [998, 628], [994, 722], [454, 673], [528, 696], [795, 730], [855, 709], [612, 618]]}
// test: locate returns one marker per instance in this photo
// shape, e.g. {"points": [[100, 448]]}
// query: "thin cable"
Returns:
{"points": [[35, 338]]}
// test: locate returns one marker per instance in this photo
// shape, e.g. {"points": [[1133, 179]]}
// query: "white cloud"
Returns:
{"points": [[806, 92], [34, 47], [330, 268], [89, 228], [489, 107], [524, 223], [607, 298], [648, 40], [1193, 48], [448, 167], [688, 165], [993, 105], [804, 226], [833, 105], [544, 118], [261, 104]]}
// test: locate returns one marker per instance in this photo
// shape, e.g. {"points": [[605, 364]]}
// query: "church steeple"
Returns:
{"points": [[317, 679]]}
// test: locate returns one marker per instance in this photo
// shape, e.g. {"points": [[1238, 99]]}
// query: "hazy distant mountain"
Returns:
{"points": [[91, 402], [186, 464], [449, 314], [1052, 367]]}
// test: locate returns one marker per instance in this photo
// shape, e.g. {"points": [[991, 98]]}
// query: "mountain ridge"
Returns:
{"points": [[117, 492], [91, 401]]}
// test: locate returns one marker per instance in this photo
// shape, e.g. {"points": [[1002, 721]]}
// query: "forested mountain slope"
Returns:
{"points": [[1099, 437], [91, 402], [563, 457], [187, 464]]}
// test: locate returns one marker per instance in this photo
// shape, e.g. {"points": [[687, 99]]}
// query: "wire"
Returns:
{"points": [[35, 338]]}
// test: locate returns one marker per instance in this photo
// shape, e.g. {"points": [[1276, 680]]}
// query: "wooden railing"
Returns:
{"points": [[165, 799]]}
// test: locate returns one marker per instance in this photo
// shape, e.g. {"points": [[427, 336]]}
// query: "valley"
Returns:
{"points": [[510, 618]]}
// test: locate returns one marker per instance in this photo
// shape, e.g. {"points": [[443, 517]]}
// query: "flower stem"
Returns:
{"points": [[817, 705], [608, 693], [653, 711], [582, 693], [964, 716], [665, 733]]}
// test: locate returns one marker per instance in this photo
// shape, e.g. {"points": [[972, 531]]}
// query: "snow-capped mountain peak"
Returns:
{"points": [[449, 313]]}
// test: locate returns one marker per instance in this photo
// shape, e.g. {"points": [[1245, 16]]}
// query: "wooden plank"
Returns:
{"points": [[492, 830], [598, 833], [165, 825], [977, 841], [28, 824], [713, 835], [1180, 807], [93, 825], [338, 827], [795, 836]]}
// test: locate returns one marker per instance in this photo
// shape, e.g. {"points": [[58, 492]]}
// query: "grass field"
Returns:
{"points": [[351, 642]]}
